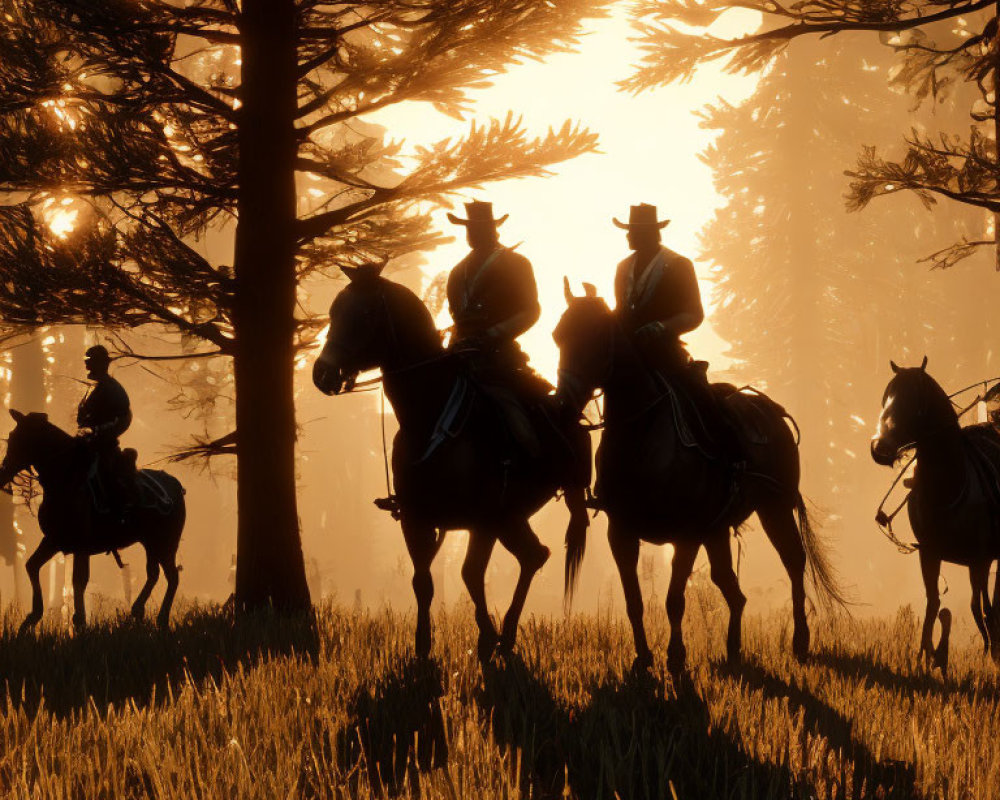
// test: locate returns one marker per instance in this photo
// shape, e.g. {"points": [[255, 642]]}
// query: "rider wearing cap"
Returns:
{"points": [[104, 414]]}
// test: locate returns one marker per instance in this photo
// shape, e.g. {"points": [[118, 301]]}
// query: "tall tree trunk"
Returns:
{"points": [[27, 393], [269, 564]]}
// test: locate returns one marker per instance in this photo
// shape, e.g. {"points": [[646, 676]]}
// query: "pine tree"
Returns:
{"points": [[172, 118]]}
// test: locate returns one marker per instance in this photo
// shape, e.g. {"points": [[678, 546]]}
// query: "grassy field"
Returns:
{"points": [[267, 708]]}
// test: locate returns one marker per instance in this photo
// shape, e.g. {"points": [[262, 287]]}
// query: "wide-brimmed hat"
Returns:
{"points": [[478, 214], [642, 216]]}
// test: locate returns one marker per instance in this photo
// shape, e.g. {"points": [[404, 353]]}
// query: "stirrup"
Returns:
{"points": [[390, 504]]}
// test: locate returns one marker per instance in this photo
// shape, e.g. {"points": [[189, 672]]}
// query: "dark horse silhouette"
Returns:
{"points": [[954, 507], [70, 523], [658, 486], [450, 459]]}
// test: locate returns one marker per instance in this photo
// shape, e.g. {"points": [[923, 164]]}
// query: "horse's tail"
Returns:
{"points": [[576, 539], [829, 593]]}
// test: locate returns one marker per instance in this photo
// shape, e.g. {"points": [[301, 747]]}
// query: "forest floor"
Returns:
{"points": [[267, 708]]}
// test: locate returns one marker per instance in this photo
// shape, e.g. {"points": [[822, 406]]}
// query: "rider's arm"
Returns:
{"points": [[687, 297], [528, 310]]}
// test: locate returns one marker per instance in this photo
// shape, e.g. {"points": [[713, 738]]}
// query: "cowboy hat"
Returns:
{"points": [[478, 214], [642, 216]]}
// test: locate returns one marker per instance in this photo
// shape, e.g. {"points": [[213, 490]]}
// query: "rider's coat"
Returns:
{"points": [[657, 291], [106, 409], [492, 294]]}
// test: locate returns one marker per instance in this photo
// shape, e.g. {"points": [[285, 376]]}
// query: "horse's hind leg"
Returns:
{"points": [[33, 566], [152, 575], [477, 558], [531, 556], [172, 573], [780, 526], [979, 575], [81, 577], [680, 571], [720, 559], [422, 544], [625, 549]]}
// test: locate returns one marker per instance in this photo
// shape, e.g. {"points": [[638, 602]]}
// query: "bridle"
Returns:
{"points": [[883, 519]]}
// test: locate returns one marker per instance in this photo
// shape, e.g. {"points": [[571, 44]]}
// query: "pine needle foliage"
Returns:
{"points": [[942, 46]]}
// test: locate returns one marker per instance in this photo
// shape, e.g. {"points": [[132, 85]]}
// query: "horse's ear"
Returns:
{"points": [[589, 290], [17, 415], [351, 272], [923, 364], [567, 291], [895, 367]]}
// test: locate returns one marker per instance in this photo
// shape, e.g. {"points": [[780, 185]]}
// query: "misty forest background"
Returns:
{"points": [[813, 289]]}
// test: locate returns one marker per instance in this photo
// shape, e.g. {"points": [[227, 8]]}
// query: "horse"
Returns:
{"points": [[72, 523], [658, 485], [953, 506], [451, 460]]}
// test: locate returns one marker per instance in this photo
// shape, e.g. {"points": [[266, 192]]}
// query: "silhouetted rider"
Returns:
{"points": [[658, 300], [493, 299], [103, 415]]}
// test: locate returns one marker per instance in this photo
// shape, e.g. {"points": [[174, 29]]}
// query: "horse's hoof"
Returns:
{"points": [[642, 665], [486, 645], [505, 645], [541, 556], [28, 626], [677, 660], [422, 643], [79, 622], [163, 623], [800, 647]]}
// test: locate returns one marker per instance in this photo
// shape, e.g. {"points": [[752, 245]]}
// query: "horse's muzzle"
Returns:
{"points": [[882, 454], [328, 378]]}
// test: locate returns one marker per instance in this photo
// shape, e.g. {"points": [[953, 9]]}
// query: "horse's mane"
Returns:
{"points": [[413, 312], [41, 420], [939, 397]]}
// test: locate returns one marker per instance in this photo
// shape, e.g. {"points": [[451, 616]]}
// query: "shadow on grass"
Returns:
{"points": [[884, 676], [886, 779], [633, 739], [116, 662], [396, 729]]}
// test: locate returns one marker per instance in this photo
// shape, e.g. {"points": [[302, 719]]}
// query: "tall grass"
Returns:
{"points": [[335, 707]]}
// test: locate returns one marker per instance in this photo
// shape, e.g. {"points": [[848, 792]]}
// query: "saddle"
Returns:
{"points": [[699, 412], [520, 403], [983, 446], [121, 486]]}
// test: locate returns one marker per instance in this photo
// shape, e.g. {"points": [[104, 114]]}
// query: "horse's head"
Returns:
{"points": [[585, 337], [913, 407], [358, 337], [374, 323], [23, 444]]}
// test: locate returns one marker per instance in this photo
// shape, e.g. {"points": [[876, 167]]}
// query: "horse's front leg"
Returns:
{"points": [[930, 570], [720, 559], [477, 558], [680, 572], [81, 577], [422, 543], [625, 550], [33, 567], [979, 578], [521, 541]]}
